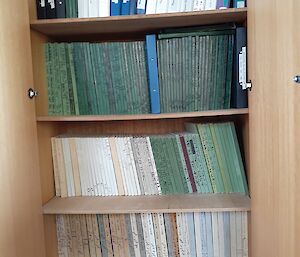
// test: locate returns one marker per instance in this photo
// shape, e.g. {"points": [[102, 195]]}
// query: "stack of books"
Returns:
{"points": [[178, 70], [207, 160], [156, 235], [106, 78], [50, 9]]}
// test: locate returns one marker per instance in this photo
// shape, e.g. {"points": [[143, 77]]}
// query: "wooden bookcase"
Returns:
{"points": [[111, 28], [268, 129]]}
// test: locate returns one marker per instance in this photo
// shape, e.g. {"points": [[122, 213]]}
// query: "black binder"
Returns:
{"points": [[60, 8], [50, 9], [41, 9]]}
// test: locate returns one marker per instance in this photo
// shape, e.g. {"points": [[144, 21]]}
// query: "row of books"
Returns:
{"points": [[179, 70], [49, 9], [221, 234], [207, 160]]}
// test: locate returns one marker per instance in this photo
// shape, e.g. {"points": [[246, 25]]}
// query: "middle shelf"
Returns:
{"points": [[148, 204]]}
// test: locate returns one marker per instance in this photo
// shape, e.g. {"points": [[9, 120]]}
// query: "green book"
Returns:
{"points": [[81, 78], [198, 162], [177, 167], [58, 101], [211, 158], [220, 153], [49, 60], [71, 80], [162, 163], [229, 70]]}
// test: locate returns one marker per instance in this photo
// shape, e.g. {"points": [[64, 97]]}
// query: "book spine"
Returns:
{"points": [[189, 5], [239, 3], [93, 8], [141, 6], [83, 9], [115, 7], [104, 8], [153, 73], [133, 7], [162, 6], [125, 10], [151, 6], [60, 8], [41, 9], [50, 9]]}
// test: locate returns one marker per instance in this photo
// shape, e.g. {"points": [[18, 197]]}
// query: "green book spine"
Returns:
{"points": [[69, 74], [80, 75], [179, 166], [70, 57], [161, 73], [184, 169], [220, 156], [64, 80], [49, 70], [215, 80], [133, 75], [228, 79], [162, 163], [143, 85], [109, 80], [240, 172], [211, 159], [198, 163]]}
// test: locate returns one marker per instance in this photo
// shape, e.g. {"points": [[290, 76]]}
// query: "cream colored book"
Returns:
{"points": [[117, 168], [233, 235], [75, 166], [55, 167], [114, 235], [135, 235], [79, 241], [245, 234], [198, 234], [108, 237], [83, 168], [68, 167], [61, 165], [221, 233], [215, 234], [124, 236], [239, 241], [73, 235]]}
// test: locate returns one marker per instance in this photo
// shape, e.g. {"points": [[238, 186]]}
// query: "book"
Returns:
{"points": [[133, 7], [104, 8], [141, 6], [50, 9], [151, 6], [239, 3], [153, 73], [223, 4], [115, 7], [94, 8], [83, 8], [174, 6], [125, 10], [60, 9], [161, 6], [41, 9]]}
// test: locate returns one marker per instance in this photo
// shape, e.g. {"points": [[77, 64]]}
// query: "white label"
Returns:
{"points": [[243, 68], [52, 4], [42, 3]]}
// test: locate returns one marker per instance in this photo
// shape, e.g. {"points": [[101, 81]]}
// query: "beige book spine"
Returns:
{"points": [[55, 167], [75, 166]]}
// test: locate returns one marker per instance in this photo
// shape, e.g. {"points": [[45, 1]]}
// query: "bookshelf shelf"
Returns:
{"points": [[135, 23], [146, 204], [214, 113]]}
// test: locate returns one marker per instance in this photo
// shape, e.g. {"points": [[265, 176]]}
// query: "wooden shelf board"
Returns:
{"points": [[146, 204], [79, 118], [135, 23]]}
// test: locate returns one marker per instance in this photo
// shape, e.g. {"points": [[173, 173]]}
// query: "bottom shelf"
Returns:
{"points": [[148, 204]]}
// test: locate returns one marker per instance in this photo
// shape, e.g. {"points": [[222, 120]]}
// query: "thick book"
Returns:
{"points": [[50, 9], [151, 6], [93, 8], [153, 73], [115, 7], [41, 9], [238, 95], [125, 10], [60, 8], [83, 9]]}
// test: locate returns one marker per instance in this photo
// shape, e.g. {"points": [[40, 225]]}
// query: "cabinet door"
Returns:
{"points": [[274, 59], [21, 224]]}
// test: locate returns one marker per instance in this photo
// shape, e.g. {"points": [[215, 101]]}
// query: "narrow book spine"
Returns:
{"points": [[50, 9], [115, 7], [60, 8], [153, 73], [141, 7], [125, 10]]}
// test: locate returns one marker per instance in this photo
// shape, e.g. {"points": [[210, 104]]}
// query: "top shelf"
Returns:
{"points": [[135, 23]]}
